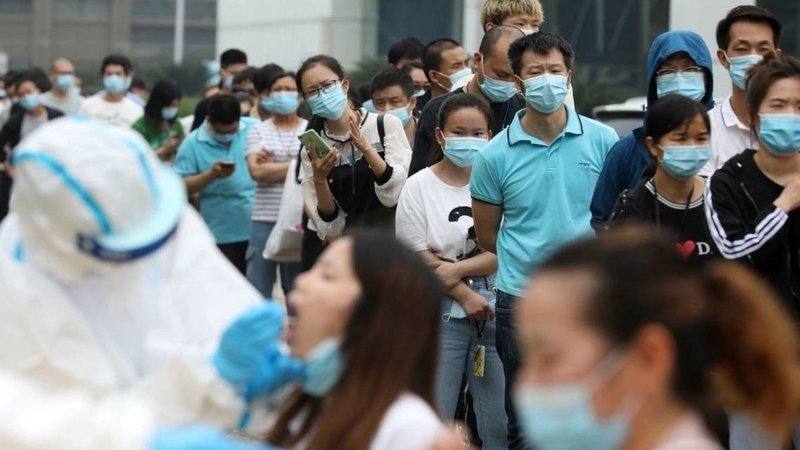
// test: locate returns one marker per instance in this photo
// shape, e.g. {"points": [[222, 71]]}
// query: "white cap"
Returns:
{"points": [[88, 194]]}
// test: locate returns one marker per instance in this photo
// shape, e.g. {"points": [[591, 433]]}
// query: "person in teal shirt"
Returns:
{"points": [[531, 185], [211, 161]]}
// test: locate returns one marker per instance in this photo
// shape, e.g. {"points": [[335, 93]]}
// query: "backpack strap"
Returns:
{"points": [[381, 130]]}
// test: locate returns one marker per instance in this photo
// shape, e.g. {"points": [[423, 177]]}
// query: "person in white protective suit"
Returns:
{"points": [[114, 298]]}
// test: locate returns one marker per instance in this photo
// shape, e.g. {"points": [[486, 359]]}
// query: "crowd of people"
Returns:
{"points": [[455, 243]]}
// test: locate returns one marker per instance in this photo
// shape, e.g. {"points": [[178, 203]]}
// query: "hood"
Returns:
{"points": [[671, 42]]}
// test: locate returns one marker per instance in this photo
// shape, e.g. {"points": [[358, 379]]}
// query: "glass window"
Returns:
{"points": [[201, 10], [153, 9], [16, 7], [789, 15], [83, 9]]}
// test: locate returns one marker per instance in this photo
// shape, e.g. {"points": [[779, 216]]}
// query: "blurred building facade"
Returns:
{"points": [[34, 32]]}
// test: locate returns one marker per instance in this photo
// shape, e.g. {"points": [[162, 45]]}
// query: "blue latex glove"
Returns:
{"points": [[279, 370], [245, 345], [200, 438]]}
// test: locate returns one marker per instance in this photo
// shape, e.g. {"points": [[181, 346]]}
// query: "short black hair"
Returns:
{"points": [[747, 13], [411, 65], [540, 43], [12, 77], [670, 112], [263, 75], [224, 109], [389, 77], [277, 76], [138, 83], [245, 75], [117, 60], [493, 36], [432, 54], [38, 76], [232, 56], [408, 48]]}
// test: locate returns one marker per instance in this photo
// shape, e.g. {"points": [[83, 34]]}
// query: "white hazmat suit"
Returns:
{"points": [[112, 286]]}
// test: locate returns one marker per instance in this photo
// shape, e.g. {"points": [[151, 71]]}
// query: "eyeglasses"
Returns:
{"points": [[690, 69], [324, 88]]}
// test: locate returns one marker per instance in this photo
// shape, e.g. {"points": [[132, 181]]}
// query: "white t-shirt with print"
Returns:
{"points": [[123, 113], [432, 215]]}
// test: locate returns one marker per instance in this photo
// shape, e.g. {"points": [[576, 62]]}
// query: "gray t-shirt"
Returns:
{"points": [[69, 105]]}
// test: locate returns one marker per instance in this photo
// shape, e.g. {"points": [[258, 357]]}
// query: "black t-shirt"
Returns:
{"points": [[686, 224], [425, 143]]}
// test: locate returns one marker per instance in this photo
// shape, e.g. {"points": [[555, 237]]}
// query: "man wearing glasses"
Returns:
{"points": [[678, 63]]}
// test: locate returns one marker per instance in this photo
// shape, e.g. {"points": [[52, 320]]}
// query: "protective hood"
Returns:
{"points": [[89, 197], [671, 42]]}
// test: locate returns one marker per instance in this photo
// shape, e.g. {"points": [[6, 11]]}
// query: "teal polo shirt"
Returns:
{"points": [[544, 191], [226, 203]]}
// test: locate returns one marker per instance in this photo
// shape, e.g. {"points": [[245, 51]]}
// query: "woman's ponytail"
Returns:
{"points": [[756, 363]]}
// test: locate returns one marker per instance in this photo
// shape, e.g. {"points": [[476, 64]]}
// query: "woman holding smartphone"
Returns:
{"points": [[365, 162]]}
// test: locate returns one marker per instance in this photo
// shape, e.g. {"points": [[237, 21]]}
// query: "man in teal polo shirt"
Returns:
{"points": [[532, 183], [211, 162]]}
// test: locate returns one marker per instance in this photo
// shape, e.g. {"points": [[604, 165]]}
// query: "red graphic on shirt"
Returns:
{"points": [[687, 248]]}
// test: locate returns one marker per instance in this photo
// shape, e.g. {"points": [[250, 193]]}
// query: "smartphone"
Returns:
{"points": [[227, 164], [312, 141]]}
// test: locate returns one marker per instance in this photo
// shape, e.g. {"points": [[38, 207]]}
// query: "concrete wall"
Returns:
{"points": [[287, 32]]}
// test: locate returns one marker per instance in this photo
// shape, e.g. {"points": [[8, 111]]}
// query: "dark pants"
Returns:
{"points": [[505, 341], [312, 248], [236, 253]]}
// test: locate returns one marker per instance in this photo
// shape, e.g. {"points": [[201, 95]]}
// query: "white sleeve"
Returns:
{"points": [[325, 229], [33, 419], [410, 221], [398, 156], [409, 424], [253, 140]]}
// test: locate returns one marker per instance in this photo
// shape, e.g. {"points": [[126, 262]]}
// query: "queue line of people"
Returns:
{"points": [[498, 185]]}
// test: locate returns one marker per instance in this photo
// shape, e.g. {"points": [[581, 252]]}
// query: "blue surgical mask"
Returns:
{"points": [[281, 102], [684, 161], [461, 151], [739, 66], [687, 84], [228, 83], [419, 93], [3, 94], [329, 105], [563, 418], [324, 368], [495, 90], [222, 138], [65, 82], [456, 77], [780, 133], [29, 101], [114, 84], [401, 113], [169, 113], [546, 93]]}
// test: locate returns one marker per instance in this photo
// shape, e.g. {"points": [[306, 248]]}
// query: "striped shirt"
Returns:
{"points": [[282, 145]]}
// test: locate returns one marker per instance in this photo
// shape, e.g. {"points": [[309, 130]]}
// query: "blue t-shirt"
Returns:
{"points": [[225, 203], [544, 191]]}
